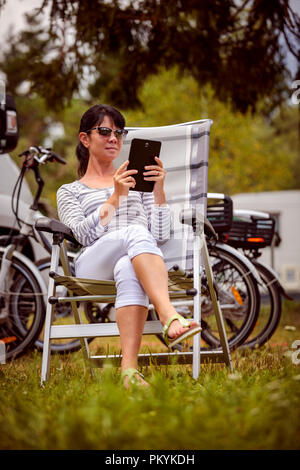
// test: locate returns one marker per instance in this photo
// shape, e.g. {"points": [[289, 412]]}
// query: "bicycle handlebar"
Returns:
{"points": [[42, 155], [57, 158]]}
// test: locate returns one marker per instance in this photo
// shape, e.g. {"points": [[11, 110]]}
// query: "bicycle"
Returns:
{"points": [[22, 288], [236, 282], [249, 232], [12, 243]]}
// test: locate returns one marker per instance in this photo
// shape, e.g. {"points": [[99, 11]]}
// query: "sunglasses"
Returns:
{"points": [[106, 131]]}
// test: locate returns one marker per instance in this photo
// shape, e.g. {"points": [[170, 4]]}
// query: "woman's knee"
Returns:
{"points": [[129, 289]]}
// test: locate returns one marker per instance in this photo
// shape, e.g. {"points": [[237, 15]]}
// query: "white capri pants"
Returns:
{"points": [[109, 258]]}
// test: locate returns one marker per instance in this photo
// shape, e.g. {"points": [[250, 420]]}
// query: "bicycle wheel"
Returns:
{"points": [[238, 297], [270, 311], [25, 315]]}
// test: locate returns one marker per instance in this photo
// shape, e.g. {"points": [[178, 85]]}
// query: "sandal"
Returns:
{"points": [[131, 374], [170, 342]]}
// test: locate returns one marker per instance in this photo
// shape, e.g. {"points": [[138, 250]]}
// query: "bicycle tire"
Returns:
{"points": [[223, 261], [26, 314], [270, 312], [242, 288]]}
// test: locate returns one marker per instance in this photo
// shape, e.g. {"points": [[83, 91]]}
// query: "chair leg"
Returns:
{"points": [[216, 305], [83, 341], [78, 320], [197, 306], [46, 345], [49, 317]]}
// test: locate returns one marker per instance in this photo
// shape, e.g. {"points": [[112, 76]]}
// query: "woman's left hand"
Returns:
{"points": [[155, 173]]}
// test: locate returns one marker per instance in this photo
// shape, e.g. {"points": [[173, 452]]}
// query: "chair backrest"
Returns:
{"points": [[184, 153]]}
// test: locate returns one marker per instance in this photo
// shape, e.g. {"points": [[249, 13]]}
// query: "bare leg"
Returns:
{"points": [[152, 273], [131, 320]]}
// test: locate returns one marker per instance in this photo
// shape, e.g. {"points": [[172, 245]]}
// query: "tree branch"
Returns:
{"points": [[241, 8], [289, 45]]}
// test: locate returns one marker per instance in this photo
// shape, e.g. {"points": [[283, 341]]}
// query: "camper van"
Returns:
{"points": [[284, 206]]}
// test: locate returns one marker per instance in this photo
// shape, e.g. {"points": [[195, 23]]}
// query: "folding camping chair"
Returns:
{"points": [[184, 153]]}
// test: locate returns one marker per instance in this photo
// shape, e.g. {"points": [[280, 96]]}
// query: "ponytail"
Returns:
{"points": [[83, 155]]}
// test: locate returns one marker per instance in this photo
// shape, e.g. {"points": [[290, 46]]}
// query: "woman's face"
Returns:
{"points": [[103, 148]]}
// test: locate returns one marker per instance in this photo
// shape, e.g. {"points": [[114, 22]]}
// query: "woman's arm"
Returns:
{"points": [[85, 229], [88, 229]]}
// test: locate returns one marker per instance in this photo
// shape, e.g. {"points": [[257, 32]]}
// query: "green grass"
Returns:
{"points": [[256, 407]]}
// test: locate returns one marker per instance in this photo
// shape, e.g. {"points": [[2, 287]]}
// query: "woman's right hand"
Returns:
{"points": [[123, 180]]}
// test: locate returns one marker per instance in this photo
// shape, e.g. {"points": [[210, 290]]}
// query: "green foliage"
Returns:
{"points": [[286, 126], [234, 46], [247, 152], [36, 59]]}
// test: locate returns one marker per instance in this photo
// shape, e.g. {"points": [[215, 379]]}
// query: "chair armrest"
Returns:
{"points": [[195, 219], [44, 224]]}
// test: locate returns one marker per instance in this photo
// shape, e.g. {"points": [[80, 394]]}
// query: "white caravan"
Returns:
{"points": [[284, 206]]}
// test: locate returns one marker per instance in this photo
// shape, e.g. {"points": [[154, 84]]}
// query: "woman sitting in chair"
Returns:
{"points": [[119, 229]]}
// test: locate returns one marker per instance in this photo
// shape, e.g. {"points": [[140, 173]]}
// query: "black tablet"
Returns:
{"points": [[142, 153]]}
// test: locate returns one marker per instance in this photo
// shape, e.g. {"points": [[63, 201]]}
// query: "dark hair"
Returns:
{"points": [[92, 117]]}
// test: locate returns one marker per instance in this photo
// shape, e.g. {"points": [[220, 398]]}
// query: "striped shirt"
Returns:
{"points": [[79, 208]]}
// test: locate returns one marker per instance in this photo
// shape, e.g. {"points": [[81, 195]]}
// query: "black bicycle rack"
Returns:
{"points": [[256, 233], [249, 233]]}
